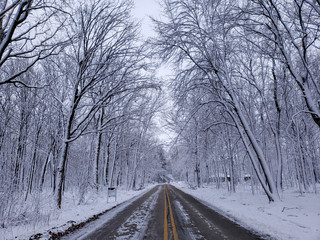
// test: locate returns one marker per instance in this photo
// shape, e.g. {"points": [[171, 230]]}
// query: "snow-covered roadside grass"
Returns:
{"points": [[296, 217], [53, 220]]}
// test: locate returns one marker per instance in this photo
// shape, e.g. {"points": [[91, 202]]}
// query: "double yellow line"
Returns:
{"points": [[174, 230]]}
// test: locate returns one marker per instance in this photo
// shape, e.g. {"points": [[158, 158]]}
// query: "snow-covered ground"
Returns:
{"points": [[51, 219], [296, 217]]}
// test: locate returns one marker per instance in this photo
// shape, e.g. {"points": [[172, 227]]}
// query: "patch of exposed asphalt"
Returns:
{"points": [[135, 226]]}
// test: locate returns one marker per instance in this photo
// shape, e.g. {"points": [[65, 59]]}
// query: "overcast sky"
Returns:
{"points": [[143, 9]]}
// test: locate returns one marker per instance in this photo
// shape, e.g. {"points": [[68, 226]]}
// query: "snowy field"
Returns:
{"points": [[296, 217], [50, 219]]}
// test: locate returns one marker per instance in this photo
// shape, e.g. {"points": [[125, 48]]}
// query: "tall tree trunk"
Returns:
{"points": [[112, 171], [98, 148], [33, 164], [18, 168], [60, 177], [277, 131], [135, 161], [107, 163], [301, 159], [44, 169], [61, 172]]}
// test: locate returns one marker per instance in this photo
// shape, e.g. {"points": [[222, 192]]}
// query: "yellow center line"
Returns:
{"points": [[175, 234], [165, 235]]}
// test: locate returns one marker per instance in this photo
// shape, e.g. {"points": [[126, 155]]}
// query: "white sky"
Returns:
{"points": [[143, 9]]}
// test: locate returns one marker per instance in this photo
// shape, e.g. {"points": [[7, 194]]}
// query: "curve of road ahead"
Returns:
{"points": [[163, 213]]}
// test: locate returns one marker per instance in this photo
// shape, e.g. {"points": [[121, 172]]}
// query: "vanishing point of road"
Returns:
{"points": [[165, 213]]}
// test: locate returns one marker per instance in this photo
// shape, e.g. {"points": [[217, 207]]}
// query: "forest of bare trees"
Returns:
{"points": [[246, 91], [77, 100], [79, 95]]}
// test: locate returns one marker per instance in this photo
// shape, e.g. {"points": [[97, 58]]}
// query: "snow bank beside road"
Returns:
{"points": [[296, 217], [70, 213]]}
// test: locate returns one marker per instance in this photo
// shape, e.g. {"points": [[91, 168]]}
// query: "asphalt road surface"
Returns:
{"points": [[164, 213]]}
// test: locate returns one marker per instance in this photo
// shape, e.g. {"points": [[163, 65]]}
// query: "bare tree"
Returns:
{"points": [[293, 27], [28, 30], [198, 36], [240, 69], [106, 63]]}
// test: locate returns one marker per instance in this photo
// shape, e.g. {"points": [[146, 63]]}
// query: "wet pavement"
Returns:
{"points": [[166, 213]]}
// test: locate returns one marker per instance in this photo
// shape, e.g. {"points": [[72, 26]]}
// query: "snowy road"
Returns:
{"points": [[163, 213]]}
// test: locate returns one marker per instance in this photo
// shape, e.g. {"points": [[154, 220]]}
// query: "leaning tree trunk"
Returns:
{"points": [[248, 139], [259, 153]]}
